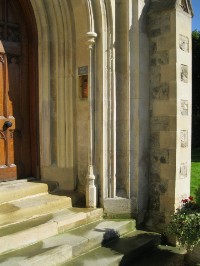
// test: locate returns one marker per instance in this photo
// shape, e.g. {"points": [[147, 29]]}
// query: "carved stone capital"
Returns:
{"points": [[91, 39]]}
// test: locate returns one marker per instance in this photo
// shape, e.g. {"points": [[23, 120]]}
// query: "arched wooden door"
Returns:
{"points": [[17, 95]]}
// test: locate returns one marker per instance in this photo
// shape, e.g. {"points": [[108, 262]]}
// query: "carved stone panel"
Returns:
{"points": [[184, 73], [184, 138], [184, 107], [184, 6], [184, 43], [183, 170]]}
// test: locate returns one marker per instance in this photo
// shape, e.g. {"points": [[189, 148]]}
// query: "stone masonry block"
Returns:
{"points": [[168, 139], [160, 156], [159, 123], [160, 92], [160, 58]]}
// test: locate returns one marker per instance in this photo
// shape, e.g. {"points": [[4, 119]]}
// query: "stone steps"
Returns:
{"points": [[63, 247], [31, 206], [37, 228], [28, 215], [122, 251], [134, 249]]}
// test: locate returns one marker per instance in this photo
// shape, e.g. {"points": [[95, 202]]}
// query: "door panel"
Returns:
{"points": [[15, 144]]}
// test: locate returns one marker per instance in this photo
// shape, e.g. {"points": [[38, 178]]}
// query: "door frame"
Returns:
{"points": [[32, 34]]}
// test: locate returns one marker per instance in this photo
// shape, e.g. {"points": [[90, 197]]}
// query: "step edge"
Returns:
{"points": [[54, 221], [60, 212], [88, 249], [24, 198], [147, 242], [21, 192], [97, 240], [37, 229]]}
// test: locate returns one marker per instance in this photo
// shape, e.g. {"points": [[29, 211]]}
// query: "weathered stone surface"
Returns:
{"points": [[160, 123], [161, 92], [170, 101], [140, 87], [161, 58], [160, 156], [184, 43], [155, 77], [154, 177], [155, 137], [153, 47], [158, 6]]}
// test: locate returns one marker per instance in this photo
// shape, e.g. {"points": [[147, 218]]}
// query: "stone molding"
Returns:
{"points": [[157, 6]]}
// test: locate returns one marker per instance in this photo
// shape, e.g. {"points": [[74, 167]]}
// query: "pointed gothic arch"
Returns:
{"points": [[33, 83]]}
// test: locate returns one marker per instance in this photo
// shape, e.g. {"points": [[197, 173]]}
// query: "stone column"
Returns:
{"points": [[170, 108], [90, 186]]}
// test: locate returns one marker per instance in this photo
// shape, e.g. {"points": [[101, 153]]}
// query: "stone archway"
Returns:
{"points": [[56, 95]]}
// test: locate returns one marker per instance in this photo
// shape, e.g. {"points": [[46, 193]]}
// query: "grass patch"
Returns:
{"points": [[195, 171]]}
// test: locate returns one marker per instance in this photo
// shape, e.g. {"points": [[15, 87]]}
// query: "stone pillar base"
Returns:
{"points": [[117, 207], [91, 197]]}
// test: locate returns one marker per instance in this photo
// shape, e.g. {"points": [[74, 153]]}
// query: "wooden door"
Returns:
{"points": [[15, 132]]}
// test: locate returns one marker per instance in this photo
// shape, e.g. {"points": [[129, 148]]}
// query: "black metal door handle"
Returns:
{"points": [[7, 124]]}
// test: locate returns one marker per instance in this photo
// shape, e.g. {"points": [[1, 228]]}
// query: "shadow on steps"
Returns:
{"points": [[156, 257], [142, 250], [78, 198]]}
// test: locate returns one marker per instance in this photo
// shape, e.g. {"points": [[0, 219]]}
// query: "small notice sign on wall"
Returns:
{"points": [[83, 70]]}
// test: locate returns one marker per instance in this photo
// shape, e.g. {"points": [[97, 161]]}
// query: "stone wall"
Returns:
{"points": [[170, 109], [142, 101]]}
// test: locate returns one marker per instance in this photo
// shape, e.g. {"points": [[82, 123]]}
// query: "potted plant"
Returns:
{"points": [[185, 225]]}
